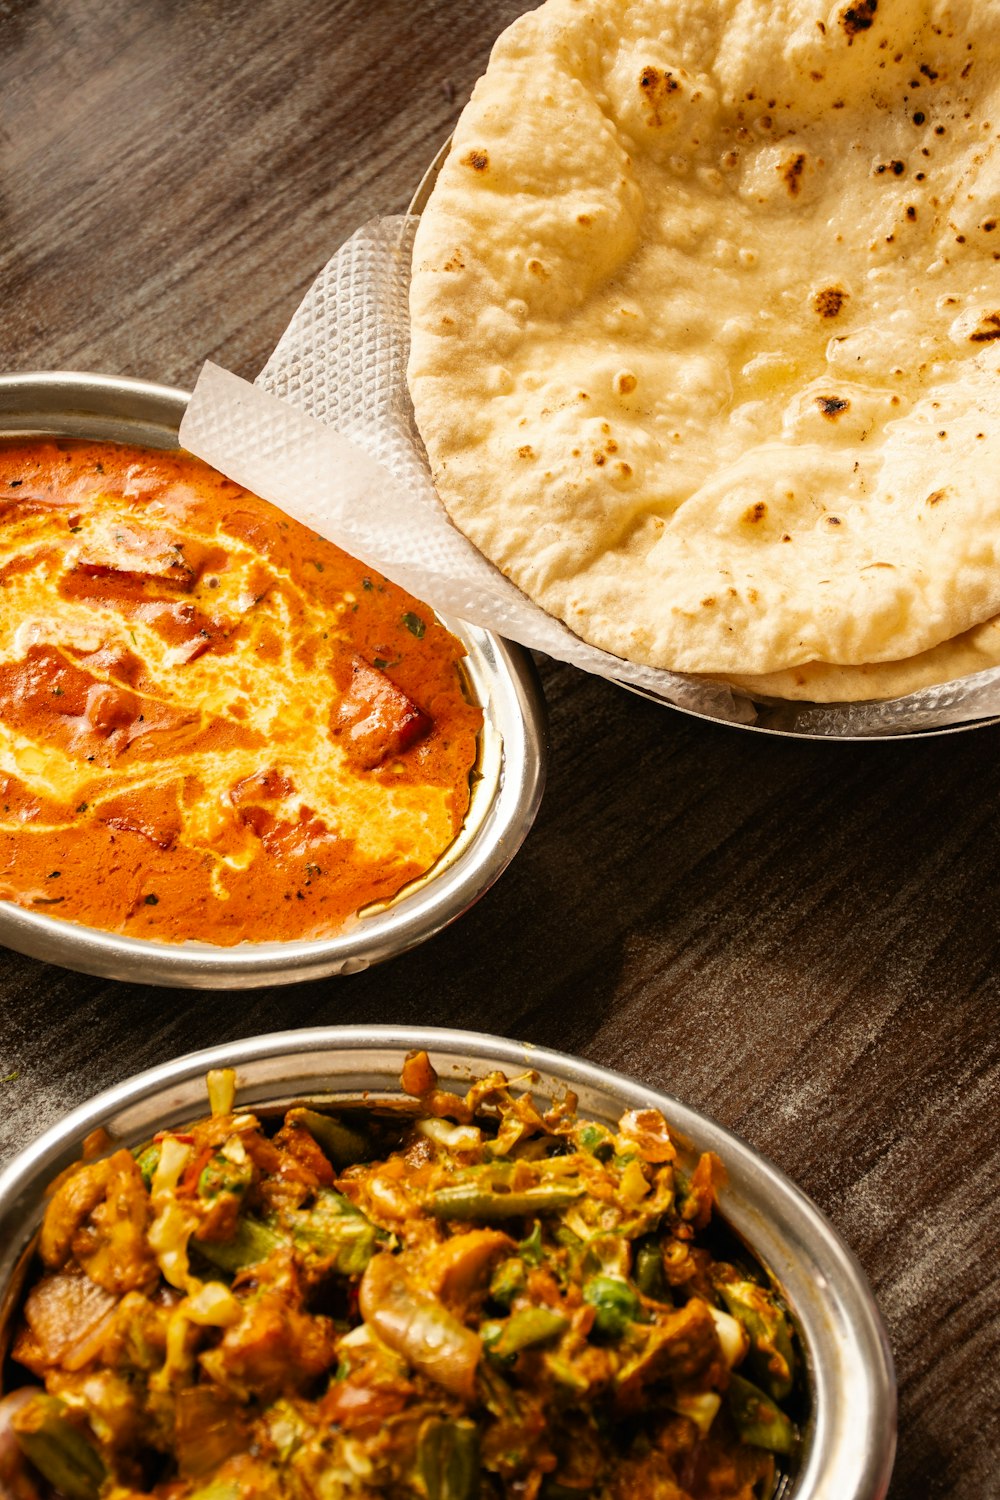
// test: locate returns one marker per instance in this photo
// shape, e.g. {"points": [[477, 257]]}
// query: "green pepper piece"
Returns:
{"points": [[595, 1139], [509, 1278], [526, 1328], [58, 1450], [772, 1358], [467, 1200], [649, 1277], [341, 1143], [758, 1421], [335, 1229], [448, 1459], [220, 1175], [490, 1330], [252, 1243], [615, 1304], [147, 1159], [564, 1236]]}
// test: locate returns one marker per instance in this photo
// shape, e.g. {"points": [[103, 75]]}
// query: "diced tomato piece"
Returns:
{"points": [[375, 718]]}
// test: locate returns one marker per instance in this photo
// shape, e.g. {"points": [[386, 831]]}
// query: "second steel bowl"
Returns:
{"points": [[506, 789], [849, 1437]]}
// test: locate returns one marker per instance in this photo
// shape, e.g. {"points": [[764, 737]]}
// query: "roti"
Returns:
{"points": [[706, 331], [975, 650]]}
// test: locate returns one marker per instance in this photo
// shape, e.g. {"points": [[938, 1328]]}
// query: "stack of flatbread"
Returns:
{"points": [[706, 334]]}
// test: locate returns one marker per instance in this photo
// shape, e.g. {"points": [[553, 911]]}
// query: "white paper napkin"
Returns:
{"points": [[327, 434]]}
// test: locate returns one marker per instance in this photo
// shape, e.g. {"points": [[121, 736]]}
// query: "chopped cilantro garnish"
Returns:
{"points": [[414, 625]]}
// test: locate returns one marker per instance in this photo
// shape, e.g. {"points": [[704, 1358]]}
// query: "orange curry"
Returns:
{"points": [[214, 724]]}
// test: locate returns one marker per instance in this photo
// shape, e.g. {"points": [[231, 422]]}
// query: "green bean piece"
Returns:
{"points": [[252, 1243], [336, 1230], [649, 1277], [530, 1249], [147, 1160], [341, 1143], [467, 1200], [58, 1450], [525, 1329], [614, 1302], [771, 1358], [509, 1278], [448, 1459], [758, 1421]]}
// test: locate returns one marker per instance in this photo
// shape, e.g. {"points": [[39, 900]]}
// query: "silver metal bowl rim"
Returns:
{"points": [[73, 397], [417, 205], [850, 1442]]}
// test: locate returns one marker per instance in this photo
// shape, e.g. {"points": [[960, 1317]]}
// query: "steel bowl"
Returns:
{"points": [[506, 789], [849, 1439]]}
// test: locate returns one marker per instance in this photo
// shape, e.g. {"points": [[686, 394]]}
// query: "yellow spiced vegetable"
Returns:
{"points": [[472, 1299]]}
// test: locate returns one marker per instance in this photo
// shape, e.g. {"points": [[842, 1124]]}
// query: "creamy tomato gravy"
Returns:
{"points": [[213, 723]]}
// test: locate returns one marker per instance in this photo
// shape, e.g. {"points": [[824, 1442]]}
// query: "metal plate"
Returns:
{"points": [[764, 710], [850, 1432], [505, 793]]}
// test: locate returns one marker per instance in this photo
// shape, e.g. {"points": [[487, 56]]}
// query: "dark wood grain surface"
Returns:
{"points": [[800, 939]]}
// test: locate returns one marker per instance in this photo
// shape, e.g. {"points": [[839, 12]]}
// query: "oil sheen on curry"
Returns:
{"points": [[214, 724]]}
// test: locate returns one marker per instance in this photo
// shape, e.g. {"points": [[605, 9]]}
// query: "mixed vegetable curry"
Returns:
{"points": [[475, 1298]]}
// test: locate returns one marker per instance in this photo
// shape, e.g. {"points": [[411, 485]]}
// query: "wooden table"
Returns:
{"points": [[800, 939]]}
